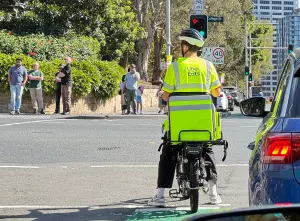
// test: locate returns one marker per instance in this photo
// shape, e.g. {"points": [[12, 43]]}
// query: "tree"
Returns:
{"points": [[112, 22], [262, 36], [150, 17]]}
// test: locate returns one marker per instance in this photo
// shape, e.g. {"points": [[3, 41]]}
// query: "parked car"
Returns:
{"points": [[230, 100], [237, 97], [274, 165], [222, 102]]}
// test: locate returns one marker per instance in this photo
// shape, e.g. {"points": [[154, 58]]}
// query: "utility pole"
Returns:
{"points": [[168, 26], [246, 59]]}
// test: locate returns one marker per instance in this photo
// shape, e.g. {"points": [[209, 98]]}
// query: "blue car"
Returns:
{"points": [[274, 165]]}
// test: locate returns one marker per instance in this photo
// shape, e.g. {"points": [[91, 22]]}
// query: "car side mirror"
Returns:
{"points": [[254, 107]]}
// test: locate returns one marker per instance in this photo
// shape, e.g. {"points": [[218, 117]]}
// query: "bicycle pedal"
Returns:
{"points": [[173, 193]]}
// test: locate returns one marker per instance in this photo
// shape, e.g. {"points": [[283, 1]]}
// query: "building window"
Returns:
{"points": [[277, 13], [255, 7], [276, 2], [277, 8], [289, 8], [267, 94], [274, 78], [255, 1], [274, 56], [265, 13], [265, 2], [268, 78], [287, 13], [288, 3], [274, 83], [265, 7]]}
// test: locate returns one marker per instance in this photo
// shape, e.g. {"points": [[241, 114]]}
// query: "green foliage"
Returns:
{"points": [[262, 36], [42, 47], [111, 22], [100, 79]]}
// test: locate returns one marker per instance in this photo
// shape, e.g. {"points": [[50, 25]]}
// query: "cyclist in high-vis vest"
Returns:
{"points": [[187, 74]]}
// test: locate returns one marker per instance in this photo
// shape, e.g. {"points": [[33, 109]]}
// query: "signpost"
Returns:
{"points": [[198, 6], [213, 54], [218, 56], [215, 19]]}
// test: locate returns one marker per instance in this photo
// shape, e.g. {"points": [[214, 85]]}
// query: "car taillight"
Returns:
{"points": [[229, 97], [221, 95], [281, 148], [295, 147]]}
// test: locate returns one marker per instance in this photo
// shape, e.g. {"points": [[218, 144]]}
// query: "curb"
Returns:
{"points": [[147, 116], [102, 117]]}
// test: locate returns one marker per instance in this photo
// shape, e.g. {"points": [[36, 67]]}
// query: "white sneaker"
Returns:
{"points": [[215, 199], [157, 202], [213, 193]]}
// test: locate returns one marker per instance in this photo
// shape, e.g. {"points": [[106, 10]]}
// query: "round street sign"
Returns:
{"points": [[218, 53]]}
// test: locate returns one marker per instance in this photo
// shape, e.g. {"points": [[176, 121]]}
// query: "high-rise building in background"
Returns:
{"points": [[272, 11], [288, 33]]}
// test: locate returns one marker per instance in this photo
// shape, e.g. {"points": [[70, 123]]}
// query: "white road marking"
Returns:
{"points": [[250, 126], [154, 166], [152, 125], [111, 124], [41, 207], [125, 166], [233, 165], [30, 122], [21, 167]]}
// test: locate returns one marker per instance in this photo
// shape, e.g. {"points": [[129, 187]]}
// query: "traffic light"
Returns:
{"points": [[291, 48], [246, 70], [199, 22], [250, 77]]}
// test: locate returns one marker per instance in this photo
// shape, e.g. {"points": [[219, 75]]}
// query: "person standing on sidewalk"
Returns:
{"points": [[66, 86], [58, 90], [131, 80], [17, 78], [36, 77]]}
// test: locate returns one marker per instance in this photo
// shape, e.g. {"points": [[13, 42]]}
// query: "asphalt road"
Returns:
{"points": [[58, 169]]}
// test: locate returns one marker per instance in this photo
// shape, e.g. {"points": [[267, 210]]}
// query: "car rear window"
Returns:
{"points": [[293, 109]]}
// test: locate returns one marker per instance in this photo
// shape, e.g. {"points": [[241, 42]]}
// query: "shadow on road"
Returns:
{"points": [[115, 211]]}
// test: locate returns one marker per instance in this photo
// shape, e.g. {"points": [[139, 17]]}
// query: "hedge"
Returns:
{"points": [[100, 79], [41, 47]]}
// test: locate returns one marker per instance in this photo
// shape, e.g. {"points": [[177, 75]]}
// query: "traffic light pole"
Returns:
{"points": [[246, 60]]}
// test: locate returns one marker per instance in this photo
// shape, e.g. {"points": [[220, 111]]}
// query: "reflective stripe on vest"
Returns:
{"points": [[195, 102], [179, 86]]}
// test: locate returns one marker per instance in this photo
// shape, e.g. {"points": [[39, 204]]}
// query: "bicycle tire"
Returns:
{"points": [[194, 183]]}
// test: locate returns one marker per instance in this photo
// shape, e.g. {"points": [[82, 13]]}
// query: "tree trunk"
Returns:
{"points": [[144, 47], [158, 43]]}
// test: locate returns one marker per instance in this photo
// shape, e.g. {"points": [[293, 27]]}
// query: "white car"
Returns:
{"points": [[222, 102]]}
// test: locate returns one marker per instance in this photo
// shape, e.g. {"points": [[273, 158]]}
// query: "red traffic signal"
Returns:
{"points": [[200, 23], [195, 21]]}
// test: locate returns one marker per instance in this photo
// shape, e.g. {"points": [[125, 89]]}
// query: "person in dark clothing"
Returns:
{"points": [[58, 90], [66, 86]]}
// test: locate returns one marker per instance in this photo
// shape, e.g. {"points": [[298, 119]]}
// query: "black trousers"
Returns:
{"points": [[167, 164], [57, 97]]}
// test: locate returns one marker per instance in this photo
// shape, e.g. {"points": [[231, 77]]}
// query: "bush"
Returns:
{"points": [[41, 47], [100, 79]]}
